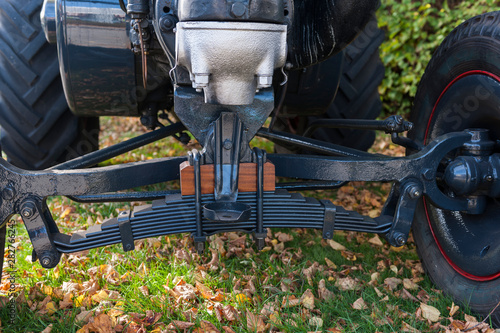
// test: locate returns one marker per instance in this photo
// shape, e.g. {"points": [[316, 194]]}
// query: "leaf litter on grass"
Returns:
{"points": [[354, 282]]}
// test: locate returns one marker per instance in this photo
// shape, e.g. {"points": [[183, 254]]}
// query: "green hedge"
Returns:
{"points": [[413, 31]]}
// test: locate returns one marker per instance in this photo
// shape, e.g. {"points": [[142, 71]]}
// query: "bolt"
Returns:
{"points": [[414, 191], [238, 9], [228, 144], [128, 247], [428, 174], [328, 235], [8, 193], [399, 239], [28, 209], [489, 178], [46, 261], [27, 212], [167, 23]]}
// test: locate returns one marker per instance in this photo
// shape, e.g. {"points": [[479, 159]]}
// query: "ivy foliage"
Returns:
{"points": [[414, 30]]}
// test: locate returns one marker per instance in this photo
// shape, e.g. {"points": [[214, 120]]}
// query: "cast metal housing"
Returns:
{"points": [[230, 60]]}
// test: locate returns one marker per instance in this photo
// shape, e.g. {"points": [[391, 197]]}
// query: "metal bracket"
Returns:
{"points": [[329, 220], [41, 228], [227, 144], [228, 136], [126, 234], [411, 191], [260, 233], [199, 238]]}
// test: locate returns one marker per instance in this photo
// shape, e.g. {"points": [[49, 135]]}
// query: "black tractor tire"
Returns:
{"points": [[357, 76], [461, 89], [357, 96], [38, 129]]}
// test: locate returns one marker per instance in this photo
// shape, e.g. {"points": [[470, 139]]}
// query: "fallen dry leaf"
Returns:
{"points": [[359, 304], [375, 240], [208, 327], [430, 312], [102, 295], [290, 301], [144, 290], [83, 316], [310, 271], [347, 283], [242, 299], [409, 284], [379, 293], [330, 263], [151, 318], [316, 322], [179, 325], [51, 308], [336, 246], [409, 328], [204, 290], [392, 283], [183, 291], [267, 310], [470, 318], [283, 237], [351, 256], [423, 296], [323, 292], [228, 329], [307, 299], [230, 313], [255, 323], [279, 248], [453, 309], [101, 324], [405, 294]]}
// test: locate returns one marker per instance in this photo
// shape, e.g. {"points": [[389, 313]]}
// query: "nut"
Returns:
{"points": [[46, 261], [28, 209], [414, 191]]}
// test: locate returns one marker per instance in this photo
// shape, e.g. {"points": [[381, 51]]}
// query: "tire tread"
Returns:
{"points": [[37, 125]]}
